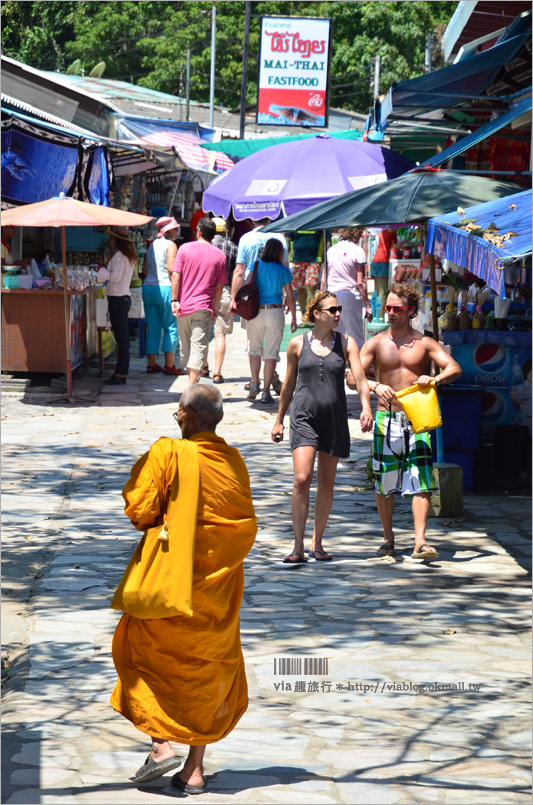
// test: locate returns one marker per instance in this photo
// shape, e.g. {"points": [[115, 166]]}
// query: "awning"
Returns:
{"points": [[456, 85], [480, 134], [186, 138], [38, 161], [483, 258], [239, 149]]}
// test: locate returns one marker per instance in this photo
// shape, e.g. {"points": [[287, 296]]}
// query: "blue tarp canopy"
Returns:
{"points": [[483, 258], [480, 134], [38, 162], [456, 85]]}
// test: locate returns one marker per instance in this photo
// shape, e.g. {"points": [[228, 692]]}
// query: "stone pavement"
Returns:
{"points": [[346, 661]]}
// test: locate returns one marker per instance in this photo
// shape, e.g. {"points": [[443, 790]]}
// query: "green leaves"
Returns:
{"points": [[146, 42]]}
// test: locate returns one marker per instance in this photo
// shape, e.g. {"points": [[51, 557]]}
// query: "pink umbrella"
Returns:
{"points": [[62, 211]]}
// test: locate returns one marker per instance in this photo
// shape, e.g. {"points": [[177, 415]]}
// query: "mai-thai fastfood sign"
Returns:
{"points": [[294, 72]]}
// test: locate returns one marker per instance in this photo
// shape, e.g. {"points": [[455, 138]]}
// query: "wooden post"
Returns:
{"points": [[67, 315]]}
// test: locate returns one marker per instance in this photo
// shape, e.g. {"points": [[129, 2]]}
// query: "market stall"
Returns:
{"points": [[77, 322], [487, 327]]}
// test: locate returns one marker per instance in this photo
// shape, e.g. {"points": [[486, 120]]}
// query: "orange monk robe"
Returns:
{"points": [[182, 678]]}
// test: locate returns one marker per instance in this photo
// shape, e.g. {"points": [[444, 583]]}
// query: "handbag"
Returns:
{"points": [[158, 580], [247, 298]]}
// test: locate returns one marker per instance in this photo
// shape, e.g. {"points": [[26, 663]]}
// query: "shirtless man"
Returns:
{"points": [[401, 357]]}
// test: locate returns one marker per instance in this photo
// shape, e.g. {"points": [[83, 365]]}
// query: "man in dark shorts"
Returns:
{"points": [[401, 357]]}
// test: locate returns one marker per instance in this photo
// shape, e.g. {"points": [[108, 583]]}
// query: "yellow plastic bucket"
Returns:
{"points": [[421, 407]]}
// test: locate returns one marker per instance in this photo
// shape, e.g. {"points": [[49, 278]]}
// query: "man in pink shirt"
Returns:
{"points": [[198, 278]]}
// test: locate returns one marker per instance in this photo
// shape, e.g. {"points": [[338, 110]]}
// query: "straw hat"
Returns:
{"points": [[220, 224], [121, 233]]}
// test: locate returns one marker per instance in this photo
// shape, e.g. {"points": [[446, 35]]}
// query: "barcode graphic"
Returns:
{"points": [[296, 666]]}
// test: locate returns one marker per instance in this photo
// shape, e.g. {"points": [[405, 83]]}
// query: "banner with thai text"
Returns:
{"points": [[294, 72]]}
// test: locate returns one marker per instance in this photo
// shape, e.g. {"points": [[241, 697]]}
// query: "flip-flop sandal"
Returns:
{"points": [[320, 556], [386, 549], [151, 770], [424, 552], [177, 782], [295, 559], [217, 378]]}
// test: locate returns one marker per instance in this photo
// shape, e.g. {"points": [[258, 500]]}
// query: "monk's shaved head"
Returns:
{"points": [[206, 402]]}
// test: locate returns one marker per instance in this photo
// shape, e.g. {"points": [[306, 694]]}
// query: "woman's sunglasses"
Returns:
{"points": [[333, 309], [396, 308]]}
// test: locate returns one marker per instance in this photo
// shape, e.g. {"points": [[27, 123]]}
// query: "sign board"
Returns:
{"points": [[294, 72]]}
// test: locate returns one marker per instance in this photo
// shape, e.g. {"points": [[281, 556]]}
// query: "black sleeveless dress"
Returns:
{"points": [[318, 411]]}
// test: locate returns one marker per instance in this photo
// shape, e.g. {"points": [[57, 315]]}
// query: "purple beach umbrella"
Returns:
{"points": [[290, 177]]}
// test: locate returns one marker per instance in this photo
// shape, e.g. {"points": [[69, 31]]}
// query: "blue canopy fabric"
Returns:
{"points": [[482, 258], [453, 85], [480, 134], [37, 162]]}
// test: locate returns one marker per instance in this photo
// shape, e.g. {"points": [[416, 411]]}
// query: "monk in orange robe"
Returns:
{"points": [[182, 678]]}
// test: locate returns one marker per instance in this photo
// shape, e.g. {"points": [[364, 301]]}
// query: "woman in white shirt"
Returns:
{"points": [[346, 279], [118, 274]]}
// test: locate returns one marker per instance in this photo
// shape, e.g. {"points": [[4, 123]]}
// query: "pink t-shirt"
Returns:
{"points": [[202, 267], [343, 259]]}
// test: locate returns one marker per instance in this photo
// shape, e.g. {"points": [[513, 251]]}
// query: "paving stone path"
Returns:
{"points": [[371, 680]]}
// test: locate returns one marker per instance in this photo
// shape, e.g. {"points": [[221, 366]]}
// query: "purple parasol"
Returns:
{"points": [[290, 177]]}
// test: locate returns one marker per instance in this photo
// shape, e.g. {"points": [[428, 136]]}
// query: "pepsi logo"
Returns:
{"points": [[493, 407], [490, 357]]}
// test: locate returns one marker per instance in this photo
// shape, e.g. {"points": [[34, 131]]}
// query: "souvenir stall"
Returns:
{"points": [[486, 324], [50, 324]]}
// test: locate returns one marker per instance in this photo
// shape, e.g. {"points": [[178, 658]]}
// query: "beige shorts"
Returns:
{"points": [[266, 333], [224, 319], [194, 331]]}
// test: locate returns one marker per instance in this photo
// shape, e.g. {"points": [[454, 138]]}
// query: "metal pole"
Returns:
{"points": [[212, 79], [247, 14], [188, 87], [377, 68], [427, 55]]}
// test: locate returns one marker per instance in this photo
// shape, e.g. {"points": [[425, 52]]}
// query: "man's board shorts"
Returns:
{"points": [[402, 460], [305, 274]]}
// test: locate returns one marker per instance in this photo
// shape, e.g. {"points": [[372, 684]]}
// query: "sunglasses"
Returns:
{"points": [[333, 309], [396, 308]]}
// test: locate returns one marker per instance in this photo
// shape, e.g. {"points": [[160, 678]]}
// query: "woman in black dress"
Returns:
{"points": [[314, 382]]}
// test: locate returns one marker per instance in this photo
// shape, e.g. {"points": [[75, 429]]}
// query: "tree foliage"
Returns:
{"points": [[147, 42]]}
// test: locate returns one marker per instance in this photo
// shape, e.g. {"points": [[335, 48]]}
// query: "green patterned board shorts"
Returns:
{"points": [[410, 471]]}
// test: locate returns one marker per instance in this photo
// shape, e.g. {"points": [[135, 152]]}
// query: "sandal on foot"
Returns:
{"points": [[205, 371], [151, 770], [153, 369], [424, 552], [217, 378], [177, 782], [295, 559], [386, 549], [320, 556]]}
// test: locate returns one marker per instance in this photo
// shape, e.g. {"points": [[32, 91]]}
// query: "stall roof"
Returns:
{"points": [[477, 20], [238, 149], [482, 257], [487, 79], [517, 110], [184, 138]]}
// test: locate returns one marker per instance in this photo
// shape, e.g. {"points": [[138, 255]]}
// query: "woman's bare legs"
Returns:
{"points": [[303, 459], [325, 487]]}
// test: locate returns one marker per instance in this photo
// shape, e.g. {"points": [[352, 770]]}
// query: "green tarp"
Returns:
{"points": [[238, 149]]}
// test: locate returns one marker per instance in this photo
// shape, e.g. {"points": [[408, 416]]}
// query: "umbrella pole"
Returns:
{"points": [[435, 325], [67, 313], [325, 256]]}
